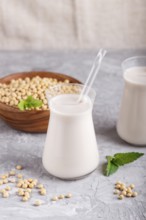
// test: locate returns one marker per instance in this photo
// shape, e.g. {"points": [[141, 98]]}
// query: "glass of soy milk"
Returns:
{"points": [[131, 125], [70, 149]]}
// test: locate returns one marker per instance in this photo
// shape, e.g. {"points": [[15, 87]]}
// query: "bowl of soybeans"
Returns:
{"points": [[23, 101]]}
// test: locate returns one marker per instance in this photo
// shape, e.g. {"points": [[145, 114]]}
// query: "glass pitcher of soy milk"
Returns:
{"points": [[131, 125], [70, 149]]}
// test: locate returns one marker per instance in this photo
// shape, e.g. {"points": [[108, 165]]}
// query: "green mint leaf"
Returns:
{"points": [[33, 102], [111, 167], [21, 105], [36, 103], [120, 159], [29, 99], [123, 158], [29, 103]]}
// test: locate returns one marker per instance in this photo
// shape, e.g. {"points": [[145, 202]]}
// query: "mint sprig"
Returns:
{"points": [[111, 167], [29, 103], [120, 159]]}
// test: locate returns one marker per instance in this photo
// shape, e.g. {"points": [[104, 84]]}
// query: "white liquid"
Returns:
{"points": [[70, 150], [136, 75], [131, 125]]}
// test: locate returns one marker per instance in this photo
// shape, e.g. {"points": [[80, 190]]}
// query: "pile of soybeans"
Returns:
{"points": [[19, 89]]}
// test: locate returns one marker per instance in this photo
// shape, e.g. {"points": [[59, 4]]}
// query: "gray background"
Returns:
{"points": [[93, 197]]}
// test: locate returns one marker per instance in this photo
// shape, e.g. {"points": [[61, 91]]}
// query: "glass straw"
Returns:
{"points": [[93, 73]]}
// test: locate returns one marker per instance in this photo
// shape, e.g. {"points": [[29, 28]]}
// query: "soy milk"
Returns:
{"points": [[71, 149], [131, 124], [136, 75]]}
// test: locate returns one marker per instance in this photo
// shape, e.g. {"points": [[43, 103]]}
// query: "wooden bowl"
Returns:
{"points": [[29, 121]]}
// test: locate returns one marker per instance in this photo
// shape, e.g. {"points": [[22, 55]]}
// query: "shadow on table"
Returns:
{"points": [[110, 135]]}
